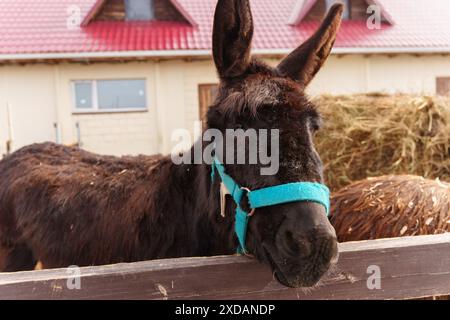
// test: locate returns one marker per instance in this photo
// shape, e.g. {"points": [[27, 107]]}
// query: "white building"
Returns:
{"points": [[118, 76]]}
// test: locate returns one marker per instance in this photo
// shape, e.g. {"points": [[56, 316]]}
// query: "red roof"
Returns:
{"points": [[30, 27]]}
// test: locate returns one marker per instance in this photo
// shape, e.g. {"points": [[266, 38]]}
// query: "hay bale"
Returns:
{"points": [[377, 134], [391, 206]]}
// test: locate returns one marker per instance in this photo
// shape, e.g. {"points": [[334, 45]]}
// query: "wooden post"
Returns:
{"points": [[409, 267]]}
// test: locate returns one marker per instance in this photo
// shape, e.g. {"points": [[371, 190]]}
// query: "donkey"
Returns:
{"points": [[66, 206]]}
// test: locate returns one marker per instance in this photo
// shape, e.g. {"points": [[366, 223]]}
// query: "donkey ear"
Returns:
{"points": [[305, 61], [232, 37]]}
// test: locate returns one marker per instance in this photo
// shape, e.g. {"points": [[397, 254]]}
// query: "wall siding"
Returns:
{"points": [[112, 10], [102, 133], [317, 12], [165, 11]]}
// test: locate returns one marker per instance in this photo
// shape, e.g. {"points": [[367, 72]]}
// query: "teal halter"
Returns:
{"points": [[284, 193]]}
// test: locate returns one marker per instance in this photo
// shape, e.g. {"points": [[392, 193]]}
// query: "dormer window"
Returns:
{"points": [[315, 10], [139, 10]]}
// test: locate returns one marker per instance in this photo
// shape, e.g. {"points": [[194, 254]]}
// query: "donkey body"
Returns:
{"points": [[65, 206]]}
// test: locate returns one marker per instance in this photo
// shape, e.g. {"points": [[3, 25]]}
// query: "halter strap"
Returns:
{"points": [[264, 197], [290, 192]]}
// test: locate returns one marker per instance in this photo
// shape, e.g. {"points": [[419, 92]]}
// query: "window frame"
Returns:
{"points": [[95, 105], [151, 13]]}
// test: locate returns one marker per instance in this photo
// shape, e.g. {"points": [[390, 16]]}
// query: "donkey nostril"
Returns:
{"points": [[297, 246]]}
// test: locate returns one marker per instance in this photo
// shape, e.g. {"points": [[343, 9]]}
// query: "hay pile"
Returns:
{"points": [[391, 206], [378, 134]]}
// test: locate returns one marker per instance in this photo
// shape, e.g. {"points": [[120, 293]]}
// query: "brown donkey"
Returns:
{"points": [[65, 206]]}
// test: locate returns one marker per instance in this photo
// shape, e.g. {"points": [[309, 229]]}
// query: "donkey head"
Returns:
{"points": [[296, 238]]}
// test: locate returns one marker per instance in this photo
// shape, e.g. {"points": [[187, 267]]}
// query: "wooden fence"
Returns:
{"points": [[409, 267]]}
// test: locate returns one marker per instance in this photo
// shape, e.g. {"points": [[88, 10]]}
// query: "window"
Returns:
{"points": [[110, 95], [443, 86], [346, 13], [83, 92], [136, 10]]}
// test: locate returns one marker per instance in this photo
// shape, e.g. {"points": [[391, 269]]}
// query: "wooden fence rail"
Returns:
{"points": [[410, 267]]}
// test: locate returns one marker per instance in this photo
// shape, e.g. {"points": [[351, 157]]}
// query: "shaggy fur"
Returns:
{"points": [[391, 206], [66, 206]]}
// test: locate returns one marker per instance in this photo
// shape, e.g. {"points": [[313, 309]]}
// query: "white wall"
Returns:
{"points": [[401, 73], [340, 75], [40, 95]]}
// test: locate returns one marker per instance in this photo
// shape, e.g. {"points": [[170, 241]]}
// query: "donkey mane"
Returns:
{"points": [[266, 87]]}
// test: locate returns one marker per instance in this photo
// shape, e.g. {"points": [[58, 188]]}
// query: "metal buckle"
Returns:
{"points": [[252, 212], [223, 193]]}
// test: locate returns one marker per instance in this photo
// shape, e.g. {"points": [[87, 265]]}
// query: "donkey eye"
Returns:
{"points": [[315, 124]]}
